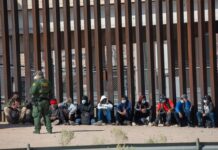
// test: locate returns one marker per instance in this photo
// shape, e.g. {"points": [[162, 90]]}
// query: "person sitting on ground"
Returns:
{"points": [[164, 111], [182, 112], [104, 110], [69, 110], [206, 114], [85, 112], [16, 111], [143, 112], [124, 112], [57, 115]]}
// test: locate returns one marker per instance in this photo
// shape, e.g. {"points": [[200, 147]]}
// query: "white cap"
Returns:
{"points": [[103, 97]]}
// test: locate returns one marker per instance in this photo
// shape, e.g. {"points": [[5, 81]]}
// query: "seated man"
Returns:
{"points": [[183, 111], [206, 113], [104, 110], [85, 112], [16, 112], [164, 111], [124, 112], [142, 111], [57, 115], [69, 110]]}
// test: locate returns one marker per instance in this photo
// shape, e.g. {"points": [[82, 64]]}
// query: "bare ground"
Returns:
{"points": [[18, 136]]}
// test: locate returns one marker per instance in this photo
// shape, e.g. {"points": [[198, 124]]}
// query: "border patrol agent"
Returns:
{"points": [[40, 91]]}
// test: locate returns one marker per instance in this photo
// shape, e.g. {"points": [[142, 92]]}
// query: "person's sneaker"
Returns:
{"points": [[150, 124], [167, 124], [154, 124], [99, 123], [56, 122], [71, 122], [133, 124], [49, 132], [117, 123]]}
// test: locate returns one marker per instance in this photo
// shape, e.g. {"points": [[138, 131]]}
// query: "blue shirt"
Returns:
{"points": [[187, 106], [179, 107]]}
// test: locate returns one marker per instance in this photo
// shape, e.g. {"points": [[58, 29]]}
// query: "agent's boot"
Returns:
{"points": [[36, 132]]}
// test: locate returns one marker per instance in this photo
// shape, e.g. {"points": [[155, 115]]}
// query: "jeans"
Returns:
{"points": [[78, 121], [139, 115], [208, 117], [102, 113], [164, 117]]}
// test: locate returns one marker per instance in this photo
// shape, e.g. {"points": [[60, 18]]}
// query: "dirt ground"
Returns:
{"points": [[18, 136]]}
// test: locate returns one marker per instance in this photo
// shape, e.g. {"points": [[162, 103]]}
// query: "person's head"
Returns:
{"points": [[68, 100], [142, 99], [206, 99], [184, 98], [15, 96], [124, 100], [103, 99], [163, 99], [53, 103], [84, 100], [38, 75]]}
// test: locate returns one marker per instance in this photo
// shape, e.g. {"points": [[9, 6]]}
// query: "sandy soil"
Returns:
{"points": [[18, 136]]}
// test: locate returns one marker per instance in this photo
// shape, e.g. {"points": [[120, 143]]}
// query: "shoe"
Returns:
{"points": [[36, 132], [56, 122], [71, 122], [149, 124], [133, 124], [167, 124], [49, 132], [99, 123]]}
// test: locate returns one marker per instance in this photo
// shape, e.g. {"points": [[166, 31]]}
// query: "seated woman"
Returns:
{"points": [[69, 110], [143, 111], [206, 114], [124, 112], [104, 110], [85, 112]]}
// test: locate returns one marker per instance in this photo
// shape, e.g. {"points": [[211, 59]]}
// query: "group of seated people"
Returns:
{"points": [[142, 114]]}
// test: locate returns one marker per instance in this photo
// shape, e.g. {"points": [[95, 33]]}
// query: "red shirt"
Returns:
{"points": [[166, 106]]}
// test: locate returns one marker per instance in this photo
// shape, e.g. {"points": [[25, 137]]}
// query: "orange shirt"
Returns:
{"points": [[166, 106]]}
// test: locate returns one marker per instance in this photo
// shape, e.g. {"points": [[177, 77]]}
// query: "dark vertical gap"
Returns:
{"points": [[98, 50], [202, 51], [119, 48], [129, 52], [47, 43], [78, 50], [191, 52], [171, 53], [110, 89], [57, 49], [67, 47], [89, 50], [180, 46], [160, 49], [26, 40], [6, 51], [150, 47], [16, 47], [36, 35], [139, 43]]}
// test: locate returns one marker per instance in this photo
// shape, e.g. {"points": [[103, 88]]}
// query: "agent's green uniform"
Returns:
{"points": [[40, 91]]}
